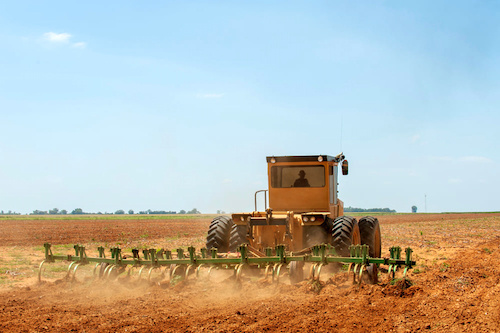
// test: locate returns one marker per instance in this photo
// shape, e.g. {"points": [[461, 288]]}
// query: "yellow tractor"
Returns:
{"points": [[304, 211]]}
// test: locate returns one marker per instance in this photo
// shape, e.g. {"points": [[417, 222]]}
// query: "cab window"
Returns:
{"points": [[298, 176]]}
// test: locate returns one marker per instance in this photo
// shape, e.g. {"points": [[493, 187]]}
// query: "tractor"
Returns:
{"points": [[304, 210]]}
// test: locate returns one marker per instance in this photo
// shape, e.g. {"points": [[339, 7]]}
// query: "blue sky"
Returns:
{"points": [[174, 105]]}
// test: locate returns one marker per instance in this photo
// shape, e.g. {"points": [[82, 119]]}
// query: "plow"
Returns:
{"points": [[275, 263], [302, 225]]}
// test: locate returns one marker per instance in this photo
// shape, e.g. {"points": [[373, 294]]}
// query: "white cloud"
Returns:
{"points": [[80, 45], [62, 38], [57, 38], [415, 138], [209, 95], [475, 159]]}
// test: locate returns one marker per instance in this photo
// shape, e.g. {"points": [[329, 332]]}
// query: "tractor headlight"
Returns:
{"points": [[314, 219], [242, 218], [249, 218], [320, 158], [273, 160]]}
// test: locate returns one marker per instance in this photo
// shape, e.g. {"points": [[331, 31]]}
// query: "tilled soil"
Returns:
{"points": [[454, 288]]}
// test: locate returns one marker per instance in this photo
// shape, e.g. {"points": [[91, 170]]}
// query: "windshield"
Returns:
{"points": [[298, 176]]}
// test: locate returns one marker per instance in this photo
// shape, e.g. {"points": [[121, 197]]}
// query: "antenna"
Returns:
{"points": [[341, 126]]}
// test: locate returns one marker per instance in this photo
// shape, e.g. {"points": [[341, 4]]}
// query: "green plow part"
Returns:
{"points": [[191, 262]]}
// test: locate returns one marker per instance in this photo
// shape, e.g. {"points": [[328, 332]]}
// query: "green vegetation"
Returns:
{"points": [[157, 212], [105, 217], [315, 286], [372, 213], [403, 283], [444, 267], [9, 213], [369, 210], [79, 211]]}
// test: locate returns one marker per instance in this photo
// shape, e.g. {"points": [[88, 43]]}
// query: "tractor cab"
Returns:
{"points": [[305, 183]]}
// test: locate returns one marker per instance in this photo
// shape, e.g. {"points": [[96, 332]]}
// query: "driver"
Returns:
{"points": [[301, 181]]}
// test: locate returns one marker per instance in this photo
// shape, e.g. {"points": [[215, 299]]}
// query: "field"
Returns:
{"points": [[455, 286]]}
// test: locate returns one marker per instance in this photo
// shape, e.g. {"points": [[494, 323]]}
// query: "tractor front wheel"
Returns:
{"points": [[219, 233], [237, 237]]}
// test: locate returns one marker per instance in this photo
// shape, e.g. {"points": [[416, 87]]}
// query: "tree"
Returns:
{"points": [[53, 211], [39, 212], [131, 212], [413, 209], [182, 211], [194, 211], [63, 212], [77, 211], [120, 211]]}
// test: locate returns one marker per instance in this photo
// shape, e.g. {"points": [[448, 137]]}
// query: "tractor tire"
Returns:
{"points": [[237, 237], [219, 233], [318, 234], [369, 229], [345, 232]]}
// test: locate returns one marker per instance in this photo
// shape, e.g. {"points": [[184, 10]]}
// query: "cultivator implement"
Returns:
{"points": [[181, 265]]}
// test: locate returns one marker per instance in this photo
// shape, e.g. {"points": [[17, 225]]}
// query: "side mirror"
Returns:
{"points": [[345, 167]]}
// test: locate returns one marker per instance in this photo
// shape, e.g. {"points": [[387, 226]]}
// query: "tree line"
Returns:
{"points": [[9, 213], [79, 211], [372, 210]]}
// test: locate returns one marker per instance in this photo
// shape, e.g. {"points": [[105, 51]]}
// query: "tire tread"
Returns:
{"points": [[219, 232]]}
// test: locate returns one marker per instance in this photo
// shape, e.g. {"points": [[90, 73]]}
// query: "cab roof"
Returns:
{"points": [[308, 158]]}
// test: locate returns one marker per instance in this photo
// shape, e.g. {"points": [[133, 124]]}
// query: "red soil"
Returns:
{"points": [[456, 287]]}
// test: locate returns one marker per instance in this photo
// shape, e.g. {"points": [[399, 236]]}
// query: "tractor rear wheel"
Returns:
{"points": [[219, 233], [344, 234], [369, 229], [237, 237]]}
